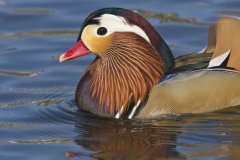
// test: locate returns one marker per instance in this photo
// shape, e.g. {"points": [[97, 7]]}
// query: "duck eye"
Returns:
{"points": [[101, 31]]}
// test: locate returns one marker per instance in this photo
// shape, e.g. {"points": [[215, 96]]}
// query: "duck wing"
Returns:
{"points": [[222, 51], [192, 62]]}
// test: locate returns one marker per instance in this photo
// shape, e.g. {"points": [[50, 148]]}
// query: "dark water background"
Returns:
{"points": [[38, 116]]}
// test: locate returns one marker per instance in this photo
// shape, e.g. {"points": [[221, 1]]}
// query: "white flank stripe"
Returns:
{"points": [[134, 109], [219, 60], [118, 115]]}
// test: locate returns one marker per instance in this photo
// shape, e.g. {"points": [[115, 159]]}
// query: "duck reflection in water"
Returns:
{"points": [[172, 137], [129, 139]]}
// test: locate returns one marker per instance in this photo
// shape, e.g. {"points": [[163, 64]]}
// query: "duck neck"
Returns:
{"points": [[125, 74]]}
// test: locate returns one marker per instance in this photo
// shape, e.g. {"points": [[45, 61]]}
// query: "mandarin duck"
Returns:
{"points": [[134, 73]]}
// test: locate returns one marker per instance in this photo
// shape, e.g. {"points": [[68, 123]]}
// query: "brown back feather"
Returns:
{"points": [[127, 72]]}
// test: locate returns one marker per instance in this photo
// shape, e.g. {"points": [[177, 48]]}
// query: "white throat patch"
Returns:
{"points": [[119, 24]]}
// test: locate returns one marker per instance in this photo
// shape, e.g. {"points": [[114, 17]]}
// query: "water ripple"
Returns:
{"points": [[170, 17], [14, 73], [39, 33]]}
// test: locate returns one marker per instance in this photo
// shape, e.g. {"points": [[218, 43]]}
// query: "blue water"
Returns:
{"points": [[38, 115]]}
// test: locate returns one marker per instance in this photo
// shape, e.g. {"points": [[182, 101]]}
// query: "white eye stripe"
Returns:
{"points": [[118, 24]]}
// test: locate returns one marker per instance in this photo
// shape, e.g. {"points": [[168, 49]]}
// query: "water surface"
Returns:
{"points": [[38, 115]]}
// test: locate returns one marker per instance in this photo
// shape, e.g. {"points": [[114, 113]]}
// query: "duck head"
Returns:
{"points": [[131, 58]]}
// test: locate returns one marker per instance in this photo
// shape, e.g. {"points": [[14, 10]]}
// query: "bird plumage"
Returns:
{"points": [[123, 75], [192, 92], [134, 18], [133, 73]]}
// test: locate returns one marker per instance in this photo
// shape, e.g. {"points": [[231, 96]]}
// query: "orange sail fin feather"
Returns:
{"points": [[224, 38]]}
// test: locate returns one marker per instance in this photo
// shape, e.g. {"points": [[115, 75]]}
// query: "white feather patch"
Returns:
{"points": [[118, 115], [219, 60], [119, 24], [203, 50], [134, 109]]}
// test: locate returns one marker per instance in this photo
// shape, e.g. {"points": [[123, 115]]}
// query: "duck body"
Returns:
{"points": [[193, 92], [133, 74], [190, 92]]}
